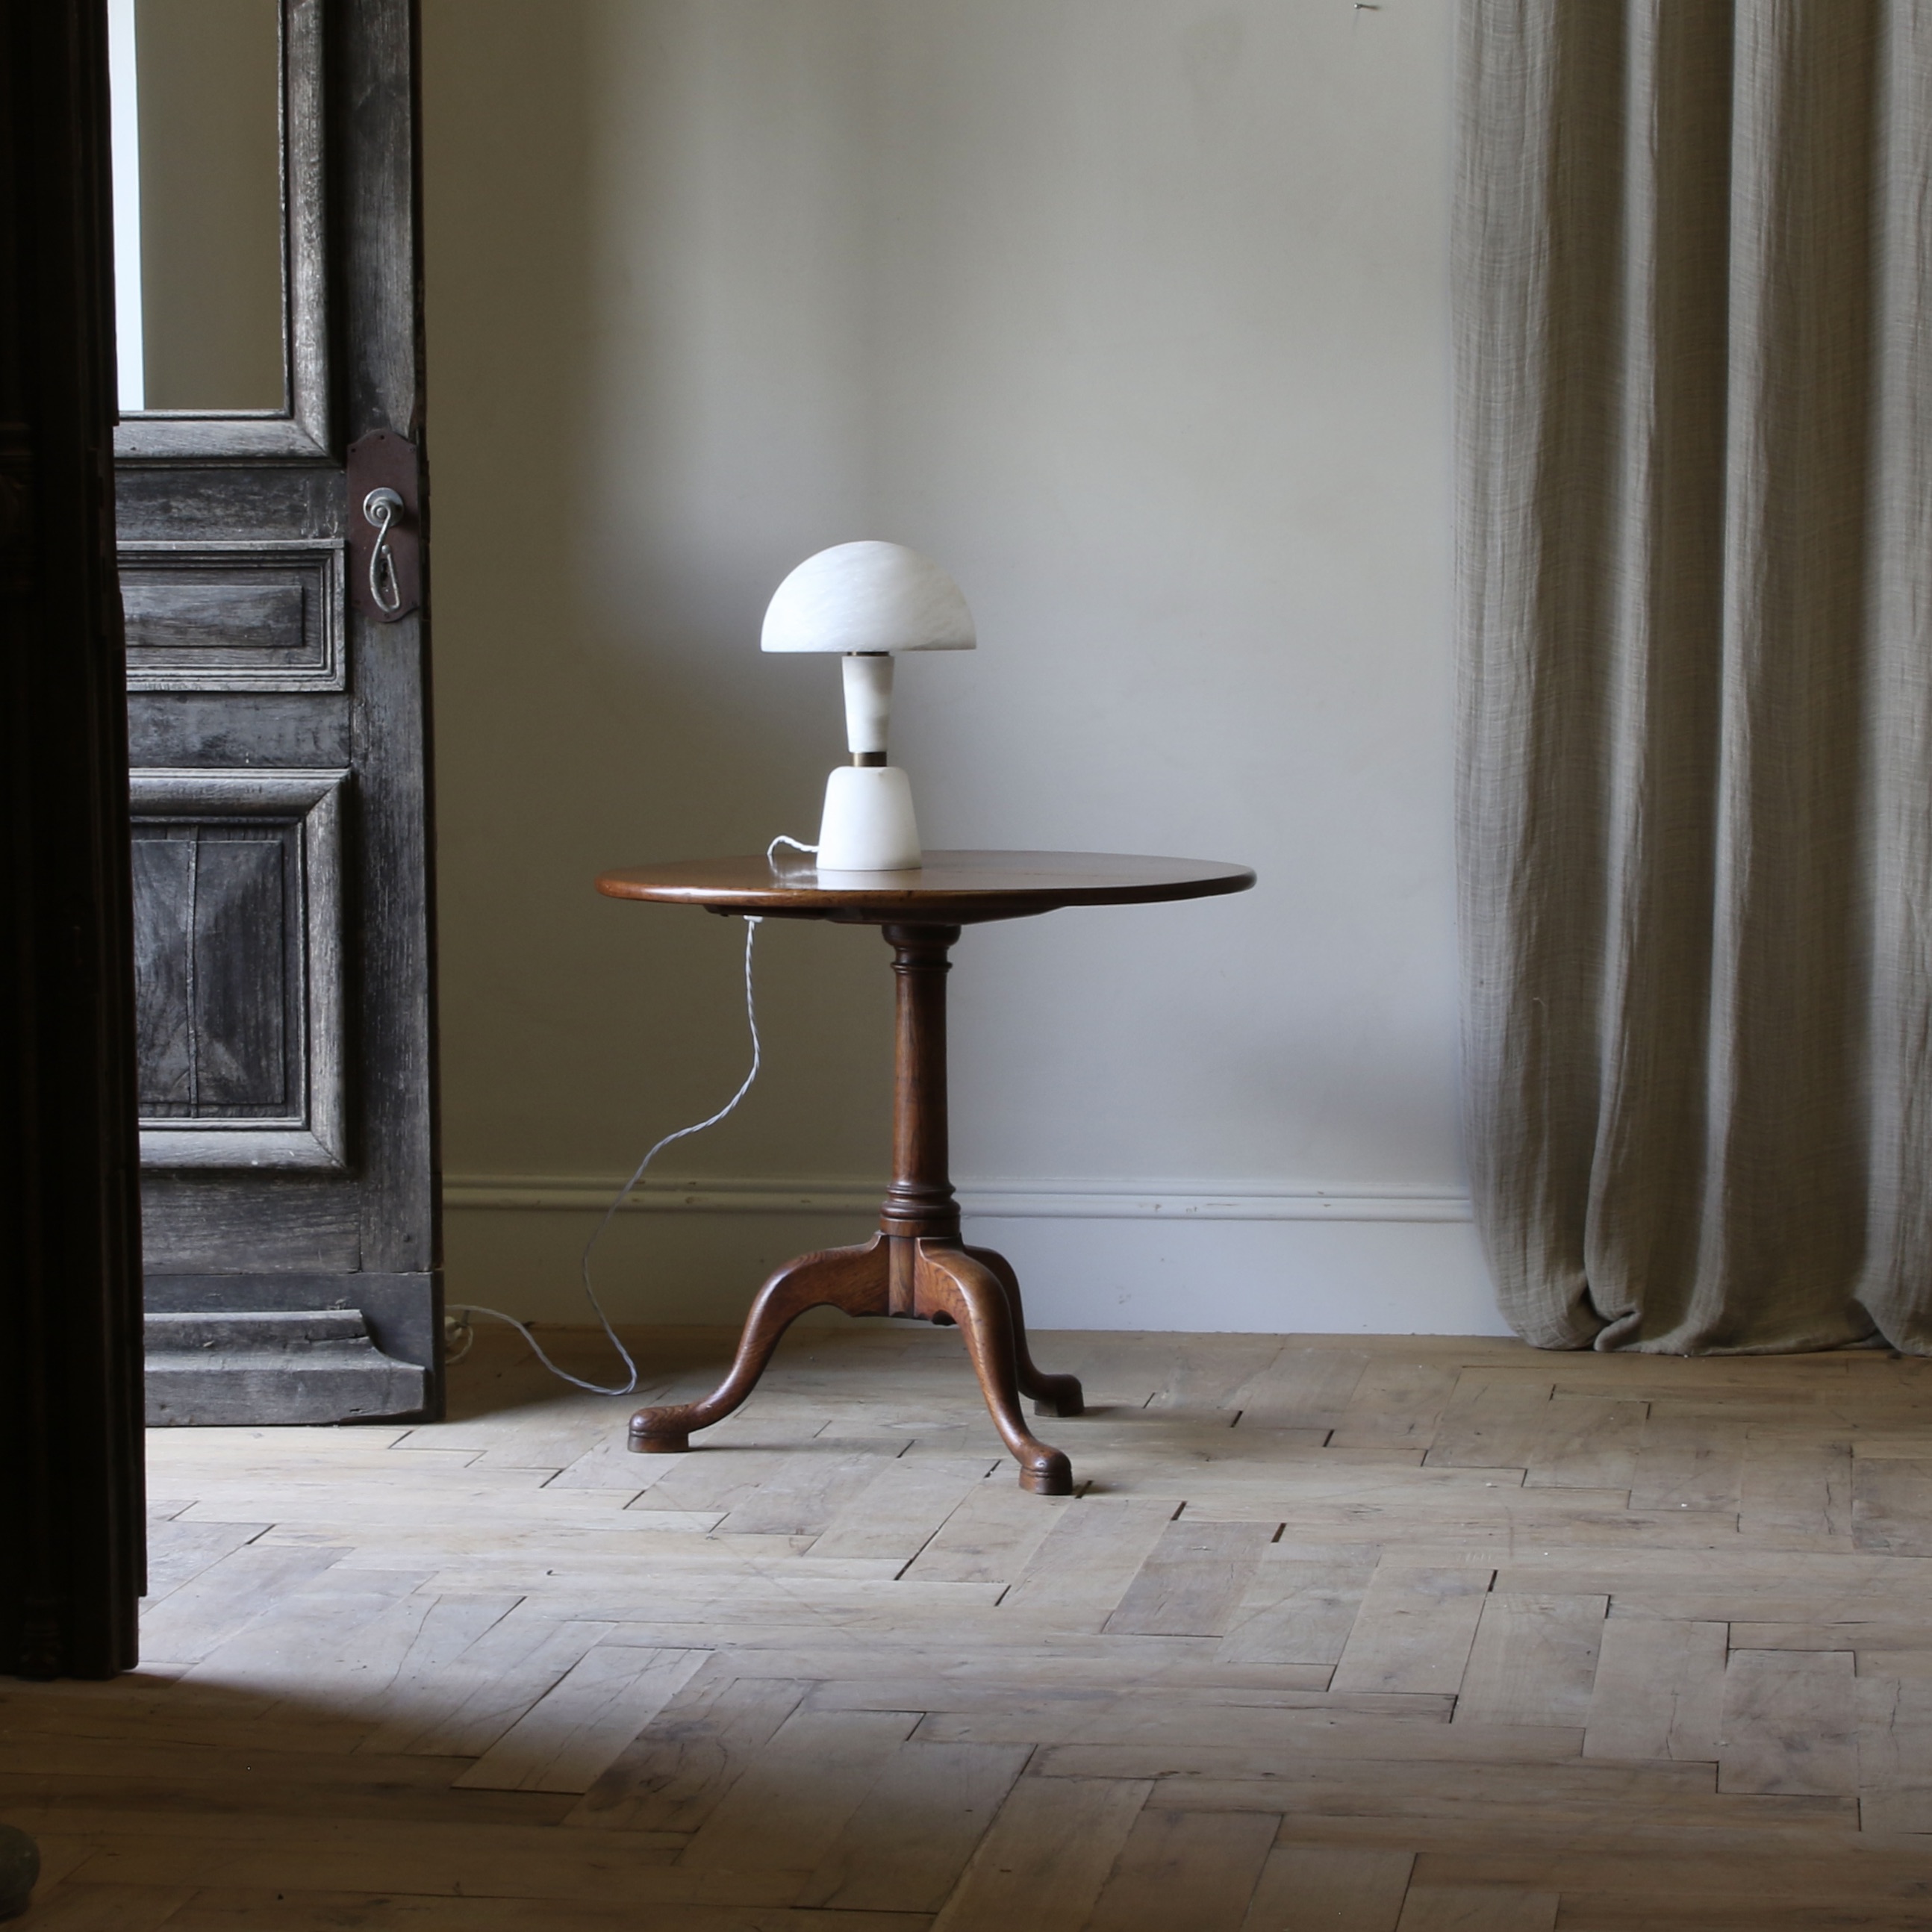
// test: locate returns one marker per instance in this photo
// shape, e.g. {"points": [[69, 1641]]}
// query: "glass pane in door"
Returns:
{"points": [[198, 206]]}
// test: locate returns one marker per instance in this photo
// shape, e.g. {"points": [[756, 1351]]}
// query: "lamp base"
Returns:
{"points": [[868, 825]]}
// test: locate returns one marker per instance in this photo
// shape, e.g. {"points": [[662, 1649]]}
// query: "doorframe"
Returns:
{"points": [[71, 1477]]}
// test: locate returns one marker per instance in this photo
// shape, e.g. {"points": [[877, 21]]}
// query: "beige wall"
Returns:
{"points": [[1132, 314]]}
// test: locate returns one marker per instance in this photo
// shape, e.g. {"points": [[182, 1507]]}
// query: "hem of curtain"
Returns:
{"points": [[1586, 1330]]}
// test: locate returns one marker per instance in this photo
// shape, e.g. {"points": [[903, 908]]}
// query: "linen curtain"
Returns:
{"points": [[1694, 396]]}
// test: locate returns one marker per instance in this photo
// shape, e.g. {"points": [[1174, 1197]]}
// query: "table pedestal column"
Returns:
{"points": [[917, 1263]]}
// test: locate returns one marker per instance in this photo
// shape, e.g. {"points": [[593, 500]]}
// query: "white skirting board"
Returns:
{"points": [[1125, 1255]]}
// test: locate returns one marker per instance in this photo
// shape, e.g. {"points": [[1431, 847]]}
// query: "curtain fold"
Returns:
{"points": [[1694, 396]]}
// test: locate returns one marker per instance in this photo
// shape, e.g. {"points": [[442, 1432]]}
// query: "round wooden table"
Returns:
{"points": [[917, 1263]]}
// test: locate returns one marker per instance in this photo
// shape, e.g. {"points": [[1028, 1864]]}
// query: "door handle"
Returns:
{"points": [[384, 527], [379, 508]]}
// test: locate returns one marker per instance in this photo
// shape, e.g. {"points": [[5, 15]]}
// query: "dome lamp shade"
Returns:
{"points": [[863, 598]]}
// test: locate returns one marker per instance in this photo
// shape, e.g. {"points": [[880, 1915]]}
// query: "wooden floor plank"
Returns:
{"points": [[89, 1774], [1414, 1629], [1795, 1488], [370, 1856], [1891, 1505], [1534, 1660], [1537, 1846], [74, 1906], [1192, 1580], [465, 1707], [567, 1739], [223, 1599], [904, 1847], [1894, 1744], [1193, 1868], [900, 1511], [1046, 1857], [178, 1553], [801, 1497], [1586, 1442], [1659, 1690], [215, 1909], [1687, 1462], [1400, 1790], [1394, 1403], [1286, 1742], [1179, 1723], [1082, 1568], [988, 1537], [1790, 1724], [799, 1791], [1204, 1380], [1329, 1888], [336, 1634], [1429, 1908], [709, 1479], [406, 1656], [1301, 1388], [1493, 1421], [670, 1776], [1636, 1911], [1299, 1608]]}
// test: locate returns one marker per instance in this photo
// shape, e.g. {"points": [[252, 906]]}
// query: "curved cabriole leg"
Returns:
{"points": [[852, 1279], [1052, 1395], [950, 1282]]}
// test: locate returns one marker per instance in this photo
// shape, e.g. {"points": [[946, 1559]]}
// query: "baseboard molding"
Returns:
{"points": [[1135, 1254], [1130, 1200]]}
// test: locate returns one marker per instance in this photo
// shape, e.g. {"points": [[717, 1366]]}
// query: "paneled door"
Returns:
{"points": [[271, 495]]}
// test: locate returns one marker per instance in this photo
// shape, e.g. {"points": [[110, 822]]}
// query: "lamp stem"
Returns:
{"points": [[869, 704]]}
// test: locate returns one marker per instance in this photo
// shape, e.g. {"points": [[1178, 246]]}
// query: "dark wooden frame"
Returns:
{"points": [[71, 1544]]}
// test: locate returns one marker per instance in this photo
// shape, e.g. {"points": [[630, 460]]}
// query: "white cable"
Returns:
{"points": [[752, 924], [781, 839]]}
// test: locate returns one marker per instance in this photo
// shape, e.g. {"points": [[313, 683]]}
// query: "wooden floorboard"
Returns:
{"points": [[1364, 1634]]}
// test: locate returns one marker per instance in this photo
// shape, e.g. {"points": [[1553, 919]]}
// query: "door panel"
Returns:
{"points": [[239, 951], [278, 733], [235, 616], [212, 936]]}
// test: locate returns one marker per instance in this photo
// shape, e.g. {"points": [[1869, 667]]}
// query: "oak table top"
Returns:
{"points": [[949, 888], [919, 1263]]}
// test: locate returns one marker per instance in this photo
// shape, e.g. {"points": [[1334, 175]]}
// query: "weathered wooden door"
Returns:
{"points": [[270, 340]]}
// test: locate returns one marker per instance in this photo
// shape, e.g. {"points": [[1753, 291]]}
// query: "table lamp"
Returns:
{"points": [[866, 602]]}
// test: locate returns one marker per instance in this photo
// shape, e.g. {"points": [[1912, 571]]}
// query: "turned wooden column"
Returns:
{"points": [[919, 1203]]}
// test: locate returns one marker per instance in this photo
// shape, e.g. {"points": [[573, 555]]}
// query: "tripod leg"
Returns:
{"points": [[1052, 1395], [853, 1279], [949, 1281]]}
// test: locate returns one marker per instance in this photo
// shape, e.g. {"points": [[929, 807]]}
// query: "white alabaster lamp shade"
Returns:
{"points": [[868, 597]]}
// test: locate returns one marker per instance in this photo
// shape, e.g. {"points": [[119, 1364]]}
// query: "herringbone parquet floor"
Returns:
{"points": [[1386, 1635]]}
